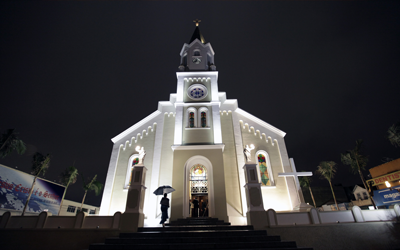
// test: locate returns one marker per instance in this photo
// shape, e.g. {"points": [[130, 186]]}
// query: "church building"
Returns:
{"points": [[195, 143]]}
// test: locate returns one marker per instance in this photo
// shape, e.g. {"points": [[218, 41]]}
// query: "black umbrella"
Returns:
{"points": [[163, 190]]}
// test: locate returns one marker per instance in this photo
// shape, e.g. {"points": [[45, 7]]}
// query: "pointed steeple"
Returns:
{"points": [[197, 34], [197, 55]]}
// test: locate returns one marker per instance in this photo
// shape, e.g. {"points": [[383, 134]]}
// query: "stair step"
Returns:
{"points": [[198, 221], [198, 224], [196, 233], [224, 245], [220, 233], [198, 218], [170, 240], [194, 228]]}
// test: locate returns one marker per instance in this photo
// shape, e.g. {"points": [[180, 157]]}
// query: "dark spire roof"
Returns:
{"points": [[197, 34]]}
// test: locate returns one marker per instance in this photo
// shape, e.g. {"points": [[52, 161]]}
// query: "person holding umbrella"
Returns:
{"points": [[164, 201], [164, 209]]}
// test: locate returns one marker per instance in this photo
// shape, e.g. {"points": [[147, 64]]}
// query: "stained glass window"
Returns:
{"points": [[191, 120], [264, 175], [197, 93], [134, 162], [198, 179], [203, 119]]}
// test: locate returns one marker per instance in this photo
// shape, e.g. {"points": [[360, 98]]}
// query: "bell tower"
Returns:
{"points": [[197, 133], [197, 55]]}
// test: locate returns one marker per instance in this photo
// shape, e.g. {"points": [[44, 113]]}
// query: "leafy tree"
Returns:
{"points": [[305, 182], [9, 142], [69, 176], [40, 164], [394, 134], [94, 185], [357, 162], [327, 170], [37, 164]]}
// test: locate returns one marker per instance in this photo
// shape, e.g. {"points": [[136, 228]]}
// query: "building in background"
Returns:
{"points": [[71, 208], [361, 197]]}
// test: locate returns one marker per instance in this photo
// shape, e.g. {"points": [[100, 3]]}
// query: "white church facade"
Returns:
{"points": [[195, 143]]}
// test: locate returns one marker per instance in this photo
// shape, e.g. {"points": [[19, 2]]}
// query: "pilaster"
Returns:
{"points": [[256, 215], [133, 216]]}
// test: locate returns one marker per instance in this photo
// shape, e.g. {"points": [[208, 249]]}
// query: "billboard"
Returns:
{"points": [[380, 180], [387, 197], [14, 190]]}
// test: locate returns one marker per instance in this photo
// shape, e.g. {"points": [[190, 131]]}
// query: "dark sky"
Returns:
{"points": [[75, 74]]}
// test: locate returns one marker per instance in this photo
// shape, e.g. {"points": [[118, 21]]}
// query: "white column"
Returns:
{"points": [[240, 159], [216, 123], [152, 200], [253, 188], [107, 193], [178, 123], [133, 217], [256, 215]]}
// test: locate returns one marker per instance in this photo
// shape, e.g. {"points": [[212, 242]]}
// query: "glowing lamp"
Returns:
{"points": [[387, 184]]}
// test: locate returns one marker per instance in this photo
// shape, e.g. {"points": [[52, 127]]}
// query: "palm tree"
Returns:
{"points": [[69, 176], [357, 162], [9, 142], [94, 185], [327, 170], [40, 164], [305, 182], [394, 134]]}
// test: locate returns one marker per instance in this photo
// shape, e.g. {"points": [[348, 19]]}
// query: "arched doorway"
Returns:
{"points": [[198, 182], [198, 189]]}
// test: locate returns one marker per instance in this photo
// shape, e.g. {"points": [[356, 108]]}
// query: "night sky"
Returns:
{"points": [[75, 74]]}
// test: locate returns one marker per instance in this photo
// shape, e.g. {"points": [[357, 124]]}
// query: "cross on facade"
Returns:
{"points": [[295, 176], [197, 21]]}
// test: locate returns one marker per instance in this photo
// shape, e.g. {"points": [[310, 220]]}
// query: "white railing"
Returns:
{"points": [[45, 220], [313, 216]]}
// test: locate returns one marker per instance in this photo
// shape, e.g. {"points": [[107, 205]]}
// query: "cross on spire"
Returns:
{"points": [[197, 21]]}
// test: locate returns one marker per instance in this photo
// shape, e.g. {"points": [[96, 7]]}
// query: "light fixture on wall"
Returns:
{"points": [[388, 185]]}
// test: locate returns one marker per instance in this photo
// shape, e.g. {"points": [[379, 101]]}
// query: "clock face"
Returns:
{"points": [[197, 92], [196, 60]]}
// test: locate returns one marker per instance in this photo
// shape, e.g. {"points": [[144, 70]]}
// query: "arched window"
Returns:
{"points": [[133, 160], [203, 117], [198, 179], [264, 169], [191, 118], [196, 53]]}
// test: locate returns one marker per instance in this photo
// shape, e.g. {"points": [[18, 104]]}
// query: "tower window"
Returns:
{"points": [[203, 119], [191, 118], [196, 53]]}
